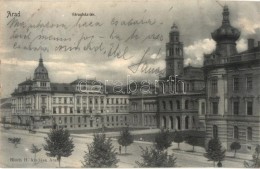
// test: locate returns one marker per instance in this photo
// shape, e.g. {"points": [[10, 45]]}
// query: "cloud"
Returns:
{"points": [[248, 27], [194, 53], [241, 45]]}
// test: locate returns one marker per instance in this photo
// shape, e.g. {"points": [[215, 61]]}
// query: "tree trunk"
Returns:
{"points": [[59, 158], [235, 153]]}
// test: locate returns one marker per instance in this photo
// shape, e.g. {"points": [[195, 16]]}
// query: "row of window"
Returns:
{"points": [[249, 132], [178, 104], [90, 119], [236, 83], [249, 107], [58, 110], [92, 100]]}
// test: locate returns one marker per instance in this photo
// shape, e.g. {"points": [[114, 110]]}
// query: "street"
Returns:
{"points": [[22, 157]]}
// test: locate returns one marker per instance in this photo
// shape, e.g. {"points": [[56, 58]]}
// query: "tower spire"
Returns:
{"points": [[40, 60], [225, 14]]}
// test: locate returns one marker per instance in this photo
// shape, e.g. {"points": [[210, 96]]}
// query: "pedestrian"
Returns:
{"points": [[119, 149], [219, 164]]}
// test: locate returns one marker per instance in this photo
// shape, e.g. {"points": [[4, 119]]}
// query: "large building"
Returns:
{"points": [[81, 104], [232, 89], [175, 105]]}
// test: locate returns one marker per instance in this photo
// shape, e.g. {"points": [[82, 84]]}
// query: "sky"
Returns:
{"points": [[137, 43]]}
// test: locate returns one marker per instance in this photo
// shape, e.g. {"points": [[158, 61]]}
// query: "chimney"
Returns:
{"points": [[250, 43]]}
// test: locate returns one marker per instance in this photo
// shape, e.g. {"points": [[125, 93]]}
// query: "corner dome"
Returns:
{"points": [[41, 73], [226, 31]]}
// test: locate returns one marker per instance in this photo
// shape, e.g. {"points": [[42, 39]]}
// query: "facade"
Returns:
{"points": [[5, 110], [175, 105], [232, 89], [81, 104]]}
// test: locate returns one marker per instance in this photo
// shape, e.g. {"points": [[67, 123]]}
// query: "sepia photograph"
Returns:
{"points": [[129, 84]]}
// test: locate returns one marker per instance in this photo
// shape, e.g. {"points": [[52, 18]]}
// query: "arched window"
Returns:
{"points": [[215, 131], [178, 104], [187, 122], [249, 133], [178, 122], [164, 122], [171, 105], [171, 122], [236, 132], [186, 104], [164, 105]]}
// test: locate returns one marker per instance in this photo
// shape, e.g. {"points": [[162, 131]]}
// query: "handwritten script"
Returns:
{"points": [[117, 38]]}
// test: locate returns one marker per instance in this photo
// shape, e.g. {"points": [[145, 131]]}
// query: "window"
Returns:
{"points": [[71, 119], [71, 110], [54, 110], [164, 105], [203, 108], [178, 104], [187, 122], [249, 83], [235, 107], [215, 107], [214, 85], [84, 110], [59, 110], [107, 101], [249, 133], [235, 132], [78, 100], [71, 100], [186, 104], [65, 119], [78, 109], [249, 107], [107, 118], [65, 100], [236, 84], [43, 100], [171, 105], [54, 100], [65, 110], [60, 100], [78, 119], [215, 131]]}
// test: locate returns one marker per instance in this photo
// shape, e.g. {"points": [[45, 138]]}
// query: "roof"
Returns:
{"points": [[27, 82], [6, 106], [6, 103], [253, 50], [191, 73], [62, 87], [88, 81]]}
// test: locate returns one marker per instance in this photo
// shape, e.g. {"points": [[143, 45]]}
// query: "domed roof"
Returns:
{"points": [[41, 73], [226, 31]]}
